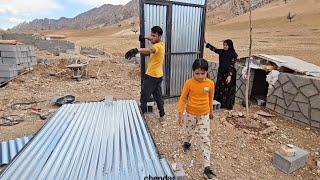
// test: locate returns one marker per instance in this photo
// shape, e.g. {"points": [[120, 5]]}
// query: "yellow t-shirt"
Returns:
{"points": [[198, 96], [155, 65]]}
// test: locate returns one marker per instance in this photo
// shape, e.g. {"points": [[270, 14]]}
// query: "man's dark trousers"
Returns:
{"points": [[152, 85]]}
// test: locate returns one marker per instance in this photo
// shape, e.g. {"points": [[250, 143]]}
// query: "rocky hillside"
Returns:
{"points": [[104, 15], [112, 14]]}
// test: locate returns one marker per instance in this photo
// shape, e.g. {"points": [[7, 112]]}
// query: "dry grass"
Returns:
{"points": [[272, 32]]}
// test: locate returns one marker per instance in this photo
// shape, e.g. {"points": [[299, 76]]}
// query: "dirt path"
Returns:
{"points": [[237, 153]]}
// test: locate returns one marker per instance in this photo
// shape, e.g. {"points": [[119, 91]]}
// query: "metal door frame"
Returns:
{"points": [[168, 52]]}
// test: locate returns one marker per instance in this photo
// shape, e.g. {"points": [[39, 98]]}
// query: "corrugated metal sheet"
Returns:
{"points": [[9, 149], [199, 2], [293, 63], [185, 36], [91, 141]]}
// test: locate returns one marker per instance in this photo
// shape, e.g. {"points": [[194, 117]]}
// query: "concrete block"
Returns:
{"points": [[9, 61], [179, 172], [151, 107], [3, 79], [290, 164], [14, 54], [8, 74], [4, 67], [180, 175], [7, 47], [23, 47], [216, 105]]}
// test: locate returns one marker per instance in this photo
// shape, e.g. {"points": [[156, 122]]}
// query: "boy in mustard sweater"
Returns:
{"points": [[154, 74], [197, 96]]}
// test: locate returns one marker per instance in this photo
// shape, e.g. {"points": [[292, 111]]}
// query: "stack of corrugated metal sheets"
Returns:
{"points": [[103, 140]]}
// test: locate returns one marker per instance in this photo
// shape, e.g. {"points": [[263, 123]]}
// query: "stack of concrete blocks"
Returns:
{"points": [[54, 46], [14, 58]]}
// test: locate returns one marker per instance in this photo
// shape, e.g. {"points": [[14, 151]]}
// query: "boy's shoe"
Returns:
{"points": [[186, 147], [208, 172]]}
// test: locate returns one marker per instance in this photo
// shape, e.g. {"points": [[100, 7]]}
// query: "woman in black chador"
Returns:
{"points": [[225, 89]]}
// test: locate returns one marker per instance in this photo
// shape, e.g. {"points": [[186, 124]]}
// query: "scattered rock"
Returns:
{"points": [[269, 130], [255, 137], [191, 163], [234, 156], [241, 114], [246, 131], [284, 136], [255, 117]]}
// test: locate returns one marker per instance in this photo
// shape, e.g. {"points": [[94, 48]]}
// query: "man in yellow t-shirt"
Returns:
{"points": [[153, 77]]}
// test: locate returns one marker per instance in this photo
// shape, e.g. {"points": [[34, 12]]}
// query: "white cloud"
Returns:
{"points": [[2, 10], [22, 7], [17, 20], [97, 3]]}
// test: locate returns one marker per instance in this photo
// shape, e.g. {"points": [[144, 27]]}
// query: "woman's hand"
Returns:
{"points": [[182, 120], [228, 80]]}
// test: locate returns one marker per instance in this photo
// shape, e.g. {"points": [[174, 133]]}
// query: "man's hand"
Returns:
{"points": [[182, 120], [131, 53], [211, 114], [228, 80]]}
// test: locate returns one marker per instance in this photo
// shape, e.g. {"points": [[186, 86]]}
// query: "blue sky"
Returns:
{"points": [[13, 12]]}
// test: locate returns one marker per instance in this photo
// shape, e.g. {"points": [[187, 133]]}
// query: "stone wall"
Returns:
{"points": [[53, 46], [294, 96], [297, 97]]}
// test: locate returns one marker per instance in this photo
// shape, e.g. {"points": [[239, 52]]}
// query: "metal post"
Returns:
{"points": [[248, 61]]}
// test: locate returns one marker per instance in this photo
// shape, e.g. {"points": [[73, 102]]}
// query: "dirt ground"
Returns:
{"points": [[114, 78], [237, 153]]}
